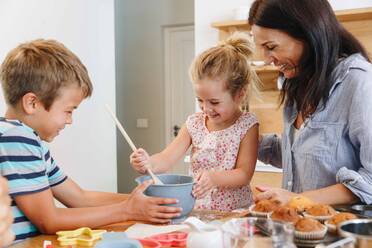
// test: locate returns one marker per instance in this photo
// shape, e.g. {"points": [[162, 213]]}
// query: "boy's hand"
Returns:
{"points": [[142, 207], [6, 218], [204, 184], [139, 159]]}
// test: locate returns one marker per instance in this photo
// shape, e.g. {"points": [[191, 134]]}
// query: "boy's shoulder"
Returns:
{"points": [[16, 131]]}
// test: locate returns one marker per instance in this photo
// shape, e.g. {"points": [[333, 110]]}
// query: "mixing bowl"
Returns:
{"points": [[175, 186]]}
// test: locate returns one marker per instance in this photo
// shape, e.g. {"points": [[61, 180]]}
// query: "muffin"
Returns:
{"points": [[309, 229], [300, 203], [320, 212], [264, 207], [286, 214], [337, 219]]}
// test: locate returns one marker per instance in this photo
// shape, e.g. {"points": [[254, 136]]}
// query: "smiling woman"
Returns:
{"points": [[324, 149], [279, 48]]}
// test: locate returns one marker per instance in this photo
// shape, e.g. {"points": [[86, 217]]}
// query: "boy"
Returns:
{"points": [[43, 82]]}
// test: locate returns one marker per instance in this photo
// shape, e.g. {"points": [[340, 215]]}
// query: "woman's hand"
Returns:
{"points": [[6, 218], [204, 184], [142, 207], [139, 159], [279, 194]]}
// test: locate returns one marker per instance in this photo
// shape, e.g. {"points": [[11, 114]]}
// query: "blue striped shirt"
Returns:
{"points": [[26, 162], [335, 145]]}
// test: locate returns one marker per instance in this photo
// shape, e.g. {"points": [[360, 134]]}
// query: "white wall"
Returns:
{"points": [[86, 151], [208, 11]]}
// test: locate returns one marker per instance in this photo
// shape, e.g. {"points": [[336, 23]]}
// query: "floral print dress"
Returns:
{"points": [[218, 151]]}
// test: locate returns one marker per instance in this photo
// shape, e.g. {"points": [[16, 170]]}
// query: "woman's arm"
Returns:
{"points": [[269, 150], [358, 178], [332, 195]]}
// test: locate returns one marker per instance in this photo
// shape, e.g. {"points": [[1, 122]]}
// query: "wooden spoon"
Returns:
{"points": [[131, 144]]}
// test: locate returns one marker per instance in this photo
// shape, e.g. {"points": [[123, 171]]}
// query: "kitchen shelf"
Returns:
{"points": [[349, 15], [356, 21]]}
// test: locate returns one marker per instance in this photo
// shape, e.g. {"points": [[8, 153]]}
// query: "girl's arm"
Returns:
{"points": [[39, 208], [245, 163], [163, 161]]}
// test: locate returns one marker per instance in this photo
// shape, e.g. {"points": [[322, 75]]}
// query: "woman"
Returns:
{"points": [[326, 147]]}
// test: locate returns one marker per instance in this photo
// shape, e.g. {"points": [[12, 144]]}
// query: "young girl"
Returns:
{"points": [[223, 137]]}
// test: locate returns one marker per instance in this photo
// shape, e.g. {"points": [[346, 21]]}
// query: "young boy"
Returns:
{"points": [[43, 82]]}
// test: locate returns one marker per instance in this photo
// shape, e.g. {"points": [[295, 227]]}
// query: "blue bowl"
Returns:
{"points": [[175, 186]]}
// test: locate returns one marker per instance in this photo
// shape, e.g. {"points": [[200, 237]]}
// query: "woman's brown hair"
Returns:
{"points": [[326, 42]]}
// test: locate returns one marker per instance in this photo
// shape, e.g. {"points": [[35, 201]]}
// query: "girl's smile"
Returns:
{"points": [[216, 102]]}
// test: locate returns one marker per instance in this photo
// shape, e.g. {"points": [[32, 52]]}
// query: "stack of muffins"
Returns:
{"points": [[310, 220]]}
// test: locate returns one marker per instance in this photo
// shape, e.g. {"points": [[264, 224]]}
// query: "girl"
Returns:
{"points": [[223, 137]]}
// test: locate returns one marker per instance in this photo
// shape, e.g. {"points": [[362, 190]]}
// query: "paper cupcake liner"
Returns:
{"points": [[322, 219], [258, 214], [315, 235], [332, 228]]}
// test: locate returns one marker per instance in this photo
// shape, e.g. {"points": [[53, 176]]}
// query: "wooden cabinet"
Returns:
{"points": [[265, 106]]}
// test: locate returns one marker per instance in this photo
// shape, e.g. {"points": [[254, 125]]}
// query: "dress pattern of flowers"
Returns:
{"points": [[217, 151]]}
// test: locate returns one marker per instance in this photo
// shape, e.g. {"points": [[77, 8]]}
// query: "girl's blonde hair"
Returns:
{"points": [[229, 62]]}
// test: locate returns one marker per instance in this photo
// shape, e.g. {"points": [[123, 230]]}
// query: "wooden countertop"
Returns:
{"points": [[204, 215]]}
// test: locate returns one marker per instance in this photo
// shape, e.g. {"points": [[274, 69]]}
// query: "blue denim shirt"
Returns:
{"points": [[335, 145]]}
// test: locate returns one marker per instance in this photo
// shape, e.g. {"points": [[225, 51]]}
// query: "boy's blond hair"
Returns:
{"points": [[42, 67], [229, 62]]}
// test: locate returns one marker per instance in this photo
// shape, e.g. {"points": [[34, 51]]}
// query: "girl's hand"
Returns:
{"points": [[204, 184], [139, 159], [279, 194]]}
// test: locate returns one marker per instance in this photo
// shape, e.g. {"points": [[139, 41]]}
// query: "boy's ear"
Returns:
{"points": [[30, 103]]}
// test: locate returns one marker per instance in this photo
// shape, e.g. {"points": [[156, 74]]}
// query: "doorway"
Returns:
{"points": [[179, 95]]}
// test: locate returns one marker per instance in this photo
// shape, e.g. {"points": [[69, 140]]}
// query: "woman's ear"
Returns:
{"points": [[30, 103]]}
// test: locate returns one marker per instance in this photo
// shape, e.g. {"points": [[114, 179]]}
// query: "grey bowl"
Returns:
{"points": [[175, 186]]}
